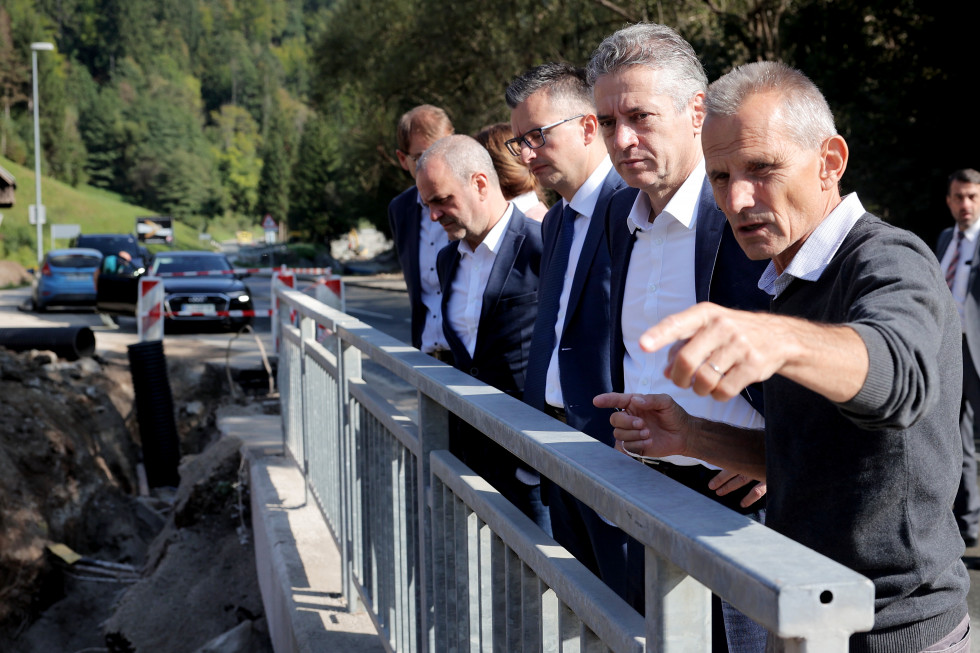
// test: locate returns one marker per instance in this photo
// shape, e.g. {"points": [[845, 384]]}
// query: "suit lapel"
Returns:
{"points": [[707, 237], [593, 237], [448, 273], [943, 242], [503, 263], [413, 230]]}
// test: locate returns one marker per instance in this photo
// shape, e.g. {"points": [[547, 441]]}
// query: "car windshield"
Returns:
{"points": [[108, 244], [201, 263], [74, 261]]}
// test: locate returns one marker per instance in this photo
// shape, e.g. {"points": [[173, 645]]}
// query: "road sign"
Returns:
{"points": [[155, 229], [269, 224], [32, 213]]}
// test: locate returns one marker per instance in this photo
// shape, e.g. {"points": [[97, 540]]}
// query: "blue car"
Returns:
{"points": [[66, 278]]}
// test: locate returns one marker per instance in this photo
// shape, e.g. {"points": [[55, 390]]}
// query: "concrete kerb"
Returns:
{"points": [[296, 558]]}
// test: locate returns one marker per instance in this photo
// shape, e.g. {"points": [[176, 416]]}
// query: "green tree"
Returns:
{"points": [[14, 78], [313, 208], [277, 162], [235, 139]]}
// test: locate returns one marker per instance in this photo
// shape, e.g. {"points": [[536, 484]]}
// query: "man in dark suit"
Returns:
{"points": [[960, 263], [489, 280], [417, 239], [670, 247], [557, 137]]}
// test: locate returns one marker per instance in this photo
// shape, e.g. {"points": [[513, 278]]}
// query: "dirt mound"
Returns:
{"points": [[203, 566], [13, 274], [56, 479], [68, 474]]}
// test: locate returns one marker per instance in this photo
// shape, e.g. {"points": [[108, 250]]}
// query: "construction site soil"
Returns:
{"points": [[90, 563]]}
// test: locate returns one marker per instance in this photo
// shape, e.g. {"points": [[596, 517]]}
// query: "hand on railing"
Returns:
{"points": [[726, 482]]}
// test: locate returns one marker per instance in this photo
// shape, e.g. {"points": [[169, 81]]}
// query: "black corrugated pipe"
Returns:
{"points": [[155, 413], [70, 342]]}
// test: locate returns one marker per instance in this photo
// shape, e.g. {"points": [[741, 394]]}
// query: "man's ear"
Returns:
{"points": [[698, 111], [402, 160], [481, 183], [591, 126], [833, 161]]}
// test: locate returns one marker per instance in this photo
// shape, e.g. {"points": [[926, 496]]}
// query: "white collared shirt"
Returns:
{"points": [[432, 238], [968, 245], [660, 282], [470, 282], [817, 250], [583, 203]]}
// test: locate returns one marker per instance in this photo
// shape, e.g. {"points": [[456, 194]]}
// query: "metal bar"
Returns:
{"points": [[678, 608]]}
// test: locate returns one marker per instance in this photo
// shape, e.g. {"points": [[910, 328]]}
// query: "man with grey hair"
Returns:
{"points": [[488, 276], [859, 355], [558, 139], [670, 248]]}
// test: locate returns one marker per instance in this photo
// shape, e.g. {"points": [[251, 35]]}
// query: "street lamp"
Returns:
{"points": [[38, 207]]}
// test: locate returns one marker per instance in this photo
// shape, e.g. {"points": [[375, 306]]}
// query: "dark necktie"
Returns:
{"points": [[551, 286], [955, 261]]}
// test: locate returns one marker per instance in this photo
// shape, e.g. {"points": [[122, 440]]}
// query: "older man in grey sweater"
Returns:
{"points": [[860, 359]]}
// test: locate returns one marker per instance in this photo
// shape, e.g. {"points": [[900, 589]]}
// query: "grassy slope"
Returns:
{"points": [[93, 209]]}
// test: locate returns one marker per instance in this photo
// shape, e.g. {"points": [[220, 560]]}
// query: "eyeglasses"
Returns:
{"points": [[534, 138]]}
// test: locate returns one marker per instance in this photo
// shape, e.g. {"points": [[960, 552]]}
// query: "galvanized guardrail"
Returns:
{"points": [[442, 562]]}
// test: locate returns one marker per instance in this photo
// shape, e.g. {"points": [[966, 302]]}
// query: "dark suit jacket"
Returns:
{"points": [[404, 214], [722, 272], [510, 304], [583, 356], [971, 307]]}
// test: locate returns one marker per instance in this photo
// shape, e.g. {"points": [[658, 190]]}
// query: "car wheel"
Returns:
{"points": [[37, 307]]}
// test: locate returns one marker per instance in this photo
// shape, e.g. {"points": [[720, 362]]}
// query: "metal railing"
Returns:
{"points": [[442, 562]]}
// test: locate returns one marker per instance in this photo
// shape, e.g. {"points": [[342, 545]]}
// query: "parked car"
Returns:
{"points": [[112, 244], [66, 278], [206, 295]]}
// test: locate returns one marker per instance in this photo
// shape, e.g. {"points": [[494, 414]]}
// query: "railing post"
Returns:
{"points": [[678, 608], [352, 541], [433, 436], [307, 328]]}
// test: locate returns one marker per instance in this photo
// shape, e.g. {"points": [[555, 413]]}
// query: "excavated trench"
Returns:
{"points": [[90, 563]]}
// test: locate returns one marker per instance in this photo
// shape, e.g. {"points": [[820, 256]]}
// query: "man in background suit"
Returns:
{"points": [[557, 137], [489, 280], [417, 238], [960, 263], [670, 247]]}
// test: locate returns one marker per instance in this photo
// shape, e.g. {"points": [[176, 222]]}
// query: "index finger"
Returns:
{"points": [[617, 400], [679, 326]]}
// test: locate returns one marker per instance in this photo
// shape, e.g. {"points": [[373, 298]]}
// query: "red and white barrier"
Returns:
{"points": [[218, 273], [150, 313], [265, 313], [149, 309]]}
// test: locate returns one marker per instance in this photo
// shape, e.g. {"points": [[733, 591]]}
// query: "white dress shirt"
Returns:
{"points": [[660, 282], [470, 282], [968, 245], [432, 238], [583, 203]]}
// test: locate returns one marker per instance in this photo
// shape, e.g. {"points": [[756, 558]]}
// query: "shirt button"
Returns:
{"points": [[644, 382], [652, 287], [658, 241]]}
